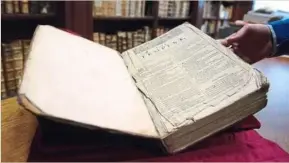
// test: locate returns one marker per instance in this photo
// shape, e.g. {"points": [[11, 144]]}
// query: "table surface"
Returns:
{"points": [[19, 126]]}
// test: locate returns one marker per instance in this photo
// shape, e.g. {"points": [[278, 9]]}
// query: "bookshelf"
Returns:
{"points": [[152, 19], [221, 13]]}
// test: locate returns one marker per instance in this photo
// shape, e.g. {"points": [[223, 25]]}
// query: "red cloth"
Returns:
{"points": [[59, 142]]}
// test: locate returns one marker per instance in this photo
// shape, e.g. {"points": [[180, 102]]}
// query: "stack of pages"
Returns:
{"points": [[180, 87]]}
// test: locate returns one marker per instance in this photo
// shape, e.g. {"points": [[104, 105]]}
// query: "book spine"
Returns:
{"points": [[162, 8], [132, 9], [129, 40], [97, 8], [24, 7], [142, 8], [138, 37], [9, 69], [123, 7], [104, 8], [112, 8], [185, 9], [124, 42], [139, 10], [135, 10], [177, 9], [17, 53], [118, 8], [166, 9], [26, 48], [127, 8], [9, 7], [102, 38], [107, 40], [96, 37], [212, 27], [114, 41], [119, 41], [147, 33], [170, 8], [3, 84], [16, 7]]}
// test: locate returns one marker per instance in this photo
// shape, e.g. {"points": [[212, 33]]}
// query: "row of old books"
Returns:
{"points": [[226, 12], [215, 9], [13, 57], [161, 30], [123, 40], [125, 8], [177, 9], [212, 27], [210, 9], [26, 7]]}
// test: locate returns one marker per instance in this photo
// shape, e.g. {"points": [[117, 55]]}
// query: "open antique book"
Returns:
{"points": [[179, 88]]}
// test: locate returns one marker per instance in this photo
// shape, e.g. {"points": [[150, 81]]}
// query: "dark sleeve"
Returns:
{"points": [[281, 31]]}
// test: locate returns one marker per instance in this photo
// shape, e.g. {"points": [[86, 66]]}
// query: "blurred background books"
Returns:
{"points": [[120, 24]]}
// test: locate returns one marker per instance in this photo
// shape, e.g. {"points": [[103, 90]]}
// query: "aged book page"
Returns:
{"points": [[185, 72], [71, 78]]}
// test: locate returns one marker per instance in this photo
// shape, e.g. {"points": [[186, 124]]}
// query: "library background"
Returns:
{"points": [[117, 24]]}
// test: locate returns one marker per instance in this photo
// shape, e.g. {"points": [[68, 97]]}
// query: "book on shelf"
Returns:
{"points": [[209, 27], [3, 85], [25, 46], [178, 88], [177, 9], [161, 30], [123, 40], [211, 9], [26, 7], [226, 12], [125, 8], [16, 7], [13, 59], [8, 7]]}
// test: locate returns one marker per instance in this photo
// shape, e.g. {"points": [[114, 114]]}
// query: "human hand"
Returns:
{"points": [[252, 42]]}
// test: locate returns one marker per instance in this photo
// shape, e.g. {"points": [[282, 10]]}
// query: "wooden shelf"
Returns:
{"points": [[215, 18], [174, 18], [121, 18], [26, 16]]}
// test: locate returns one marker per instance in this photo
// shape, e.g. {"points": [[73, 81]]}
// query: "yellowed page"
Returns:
{"points": [[184, 73]]}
